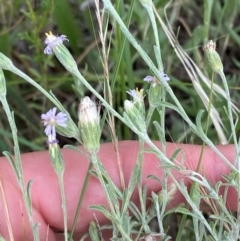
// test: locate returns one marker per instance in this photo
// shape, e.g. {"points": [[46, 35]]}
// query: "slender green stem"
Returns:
{"points": [[96, 164], [193, 186], [64, 207], [229, 108], [140, 193], [164, 201], [233, 131], [95, 161], [149, 115], [208, 5], [80, 201], [155, 31], [18, 164], [196, 210], [161, 110], [35, 84], [162, 120]]}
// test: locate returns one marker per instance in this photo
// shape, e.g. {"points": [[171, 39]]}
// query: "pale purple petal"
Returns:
{"points": [[63, 37], [61, 119], [61, 115], [136, 94], [161, 73], [52, 41], [58, 40], [133, 93], [48, 130], [45, 123], [51, 140], [53, 111], [148, 78], [44, 116], [62, 123], [48, 50], [164, 76]]}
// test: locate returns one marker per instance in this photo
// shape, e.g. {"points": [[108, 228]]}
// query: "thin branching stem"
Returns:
{"points": [[18, 169], [96, 164], [80, 201], [64, 206]]}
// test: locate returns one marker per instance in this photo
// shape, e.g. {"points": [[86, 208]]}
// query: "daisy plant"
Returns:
{"points": [[126, 217]]}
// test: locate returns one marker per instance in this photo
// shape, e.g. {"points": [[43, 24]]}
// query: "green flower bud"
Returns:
{"points": [[3, 90], [89, 124], [55, 155], [55, 44], [70, 131], [65, 58], [154, 94], [171, 192], [138, 100], [135, 115], [5, 62], [213, 57]]}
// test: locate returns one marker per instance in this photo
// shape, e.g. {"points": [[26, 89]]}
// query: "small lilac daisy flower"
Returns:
{"points": [[152, 78], [53, 41], [50, 120], [136, 94], [148, 78]]}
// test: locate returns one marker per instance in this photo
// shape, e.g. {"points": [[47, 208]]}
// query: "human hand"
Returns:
{"points": [[45, 192]]}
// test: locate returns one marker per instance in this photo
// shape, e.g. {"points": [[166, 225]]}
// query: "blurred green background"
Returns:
{"points": [[22, 33]]}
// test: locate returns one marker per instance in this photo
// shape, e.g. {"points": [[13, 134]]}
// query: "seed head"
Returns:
{"points": [[89, 125], [213, 57]]}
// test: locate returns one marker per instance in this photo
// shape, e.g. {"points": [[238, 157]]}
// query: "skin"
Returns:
{"points": [[46, 195]]}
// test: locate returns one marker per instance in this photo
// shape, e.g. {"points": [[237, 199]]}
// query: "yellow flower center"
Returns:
{"points": [[50, 36]]}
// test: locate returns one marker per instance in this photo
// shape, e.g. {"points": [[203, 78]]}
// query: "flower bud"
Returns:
{"points": [[5, 62], [89, 125], [65, 58], [138, 100], [55, 44], [154, 95], [171, 192], [3, 90], [55, 154], [213, 57], [135, 115]]}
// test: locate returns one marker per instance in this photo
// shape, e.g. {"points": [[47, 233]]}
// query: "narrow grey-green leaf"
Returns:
{"points": [[12, 162], [103, 210]]}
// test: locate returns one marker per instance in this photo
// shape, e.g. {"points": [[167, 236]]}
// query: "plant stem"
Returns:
{"points": [[155, 31], [61, 185], [233, 131], [149, 115], [193, 186], [18, 165], [96, 164], [229, 108], [80, 201], [139, 181]]}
